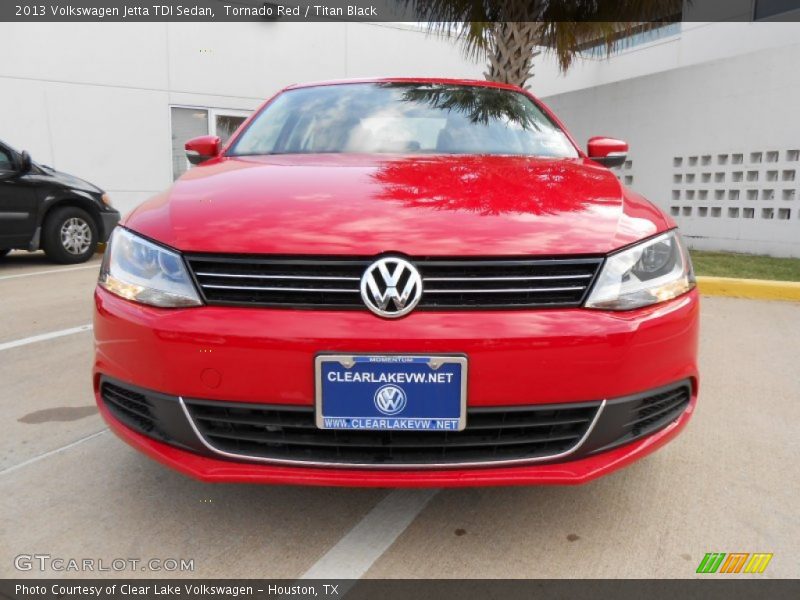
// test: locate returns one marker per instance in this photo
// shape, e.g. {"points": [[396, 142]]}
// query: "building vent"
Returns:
{"points": [[625, 173], [747, 196]]}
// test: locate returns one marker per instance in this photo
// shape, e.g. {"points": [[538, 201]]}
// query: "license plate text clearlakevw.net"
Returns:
{"points": [[409, 393]]}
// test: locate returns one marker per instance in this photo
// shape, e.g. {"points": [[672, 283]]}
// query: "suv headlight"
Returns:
{"points": [[138, 270], [652, 271]]}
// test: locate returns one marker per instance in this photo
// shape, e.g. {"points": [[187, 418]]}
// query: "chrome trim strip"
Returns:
{"points": [[532, 278], [328, 278], [507, 290], [15, 216], [249, 276], [274, 289], [341, 465]]}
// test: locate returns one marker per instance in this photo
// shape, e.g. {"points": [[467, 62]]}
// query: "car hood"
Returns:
{"points": [[69, 181], [366, 205]]}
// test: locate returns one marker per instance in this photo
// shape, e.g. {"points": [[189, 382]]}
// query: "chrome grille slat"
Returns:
{"points": [[540, 278], [300, 277], [448, 284], [505, 290], [276, 289]]}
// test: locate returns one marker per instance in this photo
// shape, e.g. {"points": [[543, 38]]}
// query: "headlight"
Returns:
{"points": [[653, 271], [138, 270]]}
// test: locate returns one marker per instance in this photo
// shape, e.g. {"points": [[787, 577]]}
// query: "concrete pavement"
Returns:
{"points": [[729, 483]]}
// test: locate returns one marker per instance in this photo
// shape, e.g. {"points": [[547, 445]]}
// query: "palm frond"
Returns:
{"points": [[466, 20], [565, 27]]}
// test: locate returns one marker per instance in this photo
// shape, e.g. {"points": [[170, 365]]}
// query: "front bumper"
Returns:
{"points": [[108, 220], [523, 358]]}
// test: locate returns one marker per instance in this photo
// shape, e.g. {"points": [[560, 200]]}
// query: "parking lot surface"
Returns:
{"points": [[71, 489]]}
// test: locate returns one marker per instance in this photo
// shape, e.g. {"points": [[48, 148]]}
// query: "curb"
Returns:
{"points": [[757, 289]]}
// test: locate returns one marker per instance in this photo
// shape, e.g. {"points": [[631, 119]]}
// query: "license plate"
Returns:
{"points": [[391, 392]]}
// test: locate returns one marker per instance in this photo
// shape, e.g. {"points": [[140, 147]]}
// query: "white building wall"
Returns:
{"points": [[695, 44], [714, 132], [93, 99]]}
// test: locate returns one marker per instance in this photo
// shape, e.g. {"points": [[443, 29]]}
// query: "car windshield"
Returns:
{"points": [[403, 118]]}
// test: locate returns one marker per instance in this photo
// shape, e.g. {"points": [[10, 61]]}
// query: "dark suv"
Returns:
{"points": [[43, 208]]}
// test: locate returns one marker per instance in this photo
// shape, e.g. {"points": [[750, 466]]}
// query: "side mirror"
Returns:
{"points": [[24, 162], [201, 149], [609, 152]]}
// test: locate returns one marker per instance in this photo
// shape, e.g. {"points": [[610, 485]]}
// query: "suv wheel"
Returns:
{"points": [[69, 235]]}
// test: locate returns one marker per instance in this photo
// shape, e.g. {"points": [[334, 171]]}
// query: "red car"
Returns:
{"points": [[397, 282]]}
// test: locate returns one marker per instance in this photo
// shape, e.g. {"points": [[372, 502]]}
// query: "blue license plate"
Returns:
{"points": [[391, 392]]}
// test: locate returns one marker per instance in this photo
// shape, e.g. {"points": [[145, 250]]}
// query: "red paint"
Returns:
{"points": [[424, 205], [420, 206], [600, 147], [206, 146], [515, 357]]}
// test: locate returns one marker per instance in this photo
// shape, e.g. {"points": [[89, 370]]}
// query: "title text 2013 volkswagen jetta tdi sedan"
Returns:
{"points": [[397, 282]]}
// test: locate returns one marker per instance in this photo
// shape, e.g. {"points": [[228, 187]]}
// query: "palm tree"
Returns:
{"points": [[509, 33]]}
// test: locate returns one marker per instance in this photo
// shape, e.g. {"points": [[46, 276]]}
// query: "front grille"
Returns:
{"points": [[238, 431], [289, 433], [628, 419], [656, 411], [131, 407], [447, 284]]}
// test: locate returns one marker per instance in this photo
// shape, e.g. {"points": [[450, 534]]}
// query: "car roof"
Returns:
{"points": [[442, 80]]}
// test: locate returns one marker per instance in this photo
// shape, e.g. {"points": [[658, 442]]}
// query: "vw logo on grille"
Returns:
{"points": [[391, 287], [390, 399]]}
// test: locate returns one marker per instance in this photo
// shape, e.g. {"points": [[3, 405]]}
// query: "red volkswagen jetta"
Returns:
{"points": [[397, 282]]}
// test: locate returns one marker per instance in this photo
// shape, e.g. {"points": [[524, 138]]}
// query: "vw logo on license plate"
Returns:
{"points": [[390, 400]]}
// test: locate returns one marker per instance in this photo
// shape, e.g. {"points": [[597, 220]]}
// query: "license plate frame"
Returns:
{"points": [[455, 364]]}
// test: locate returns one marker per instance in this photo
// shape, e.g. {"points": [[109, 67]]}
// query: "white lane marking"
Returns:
{"points": [[49, 271], [44, 337], [355, 553], [30, 461]]}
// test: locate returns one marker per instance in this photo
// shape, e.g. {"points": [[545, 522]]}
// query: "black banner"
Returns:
{"points": [[729, 588], [391, 10]]}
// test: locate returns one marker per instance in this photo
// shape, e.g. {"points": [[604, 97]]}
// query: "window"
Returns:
{"points": [[643, 34], [404, 119], [764, 9], [225, 125], [6, 161], [188, 123]]}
